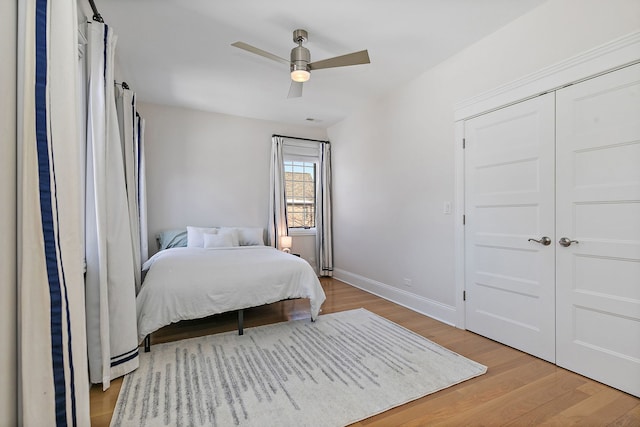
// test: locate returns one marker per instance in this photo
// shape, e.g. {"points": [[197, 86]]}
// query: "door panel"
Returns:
{"points": [[598, 204], [509, 198]]}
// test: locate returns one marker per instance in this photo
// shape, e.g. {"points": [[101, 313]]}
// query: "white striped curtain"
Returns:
{"points": [[132, 139], [277, 199], [324, 223], [110, 241], [53, 382]]}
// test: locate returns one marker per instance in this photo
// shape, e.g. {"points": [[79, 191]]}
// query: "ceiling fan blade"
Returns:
{"points": [[354, 58], [295, 91], [260, 52]]}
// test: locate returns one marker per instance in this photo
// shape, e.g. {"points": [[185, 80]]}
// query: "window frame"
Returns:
{"points": [[302, 231]]}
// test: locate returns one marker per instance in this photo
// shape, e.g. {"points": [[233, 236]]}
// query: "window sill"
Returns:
{"points": [[302, 231]]}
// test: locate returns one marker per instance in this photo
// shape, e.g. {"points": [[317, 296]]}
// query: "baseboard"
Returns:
{"points": [[436, 310]]}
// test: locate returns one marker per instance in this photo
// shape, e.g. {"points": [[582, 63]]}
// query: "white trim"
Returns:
{"points": [[610, 56], [434, 309], [302, 231], [458, 231], [607, 57]]}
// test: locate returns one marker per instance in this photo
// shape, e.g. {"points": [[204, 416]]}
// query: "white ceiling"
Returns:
{"points": [[178, 52]]}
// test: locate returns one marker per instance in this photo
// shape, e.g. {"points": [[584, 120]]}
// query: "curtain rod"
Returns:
{"points": [[302, 139], [96, 14]]}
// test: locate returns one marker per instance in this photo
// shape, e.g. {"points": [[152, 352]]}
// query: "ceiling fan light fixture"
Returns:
{"points": [[300, 76], [300, 58]]}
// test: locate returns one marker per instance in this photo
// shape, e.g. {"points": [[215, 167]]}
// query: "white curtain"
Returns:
{"points": [[52, 370], [324, 224], [277, 200], [111, 269], [308, 151], [142, 192], [131, 138]]}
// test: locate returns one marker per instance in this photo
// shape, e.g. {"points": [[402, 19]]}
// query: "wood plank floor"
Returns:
{"points": [[517, 390]]}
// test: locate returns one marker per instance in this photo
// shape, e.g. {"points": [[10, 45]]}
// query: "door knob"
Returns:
{"points": [[544, 240], [566, 242]]}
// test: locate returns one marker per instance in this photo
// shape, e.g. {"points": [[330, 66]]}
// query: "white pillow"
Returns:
{"points": [[248, 236], [195, 236], [222, 240], [231, 232]]}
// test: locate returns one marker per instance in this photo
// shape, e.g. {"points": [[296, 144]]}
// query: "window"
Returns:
{"points": [[300, 192]]}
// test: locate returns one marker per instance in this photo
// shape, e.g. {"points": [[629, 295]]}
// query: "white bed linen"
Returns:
{"points": [[190, 283]]}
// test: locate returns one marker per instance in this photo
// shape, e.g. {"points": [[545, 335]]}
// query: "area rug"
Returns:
{"points": [[343, 368]]}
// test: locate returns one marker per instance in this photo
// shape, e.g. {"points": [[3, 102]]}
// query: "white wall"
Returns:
{"points": [[8, 343], [209, 169], [393, 161]]}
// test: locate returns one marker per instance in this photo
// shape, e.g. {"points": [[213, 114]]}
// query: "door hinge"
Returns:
{"points": [[464, 143], [464, 219], [464, 295]]}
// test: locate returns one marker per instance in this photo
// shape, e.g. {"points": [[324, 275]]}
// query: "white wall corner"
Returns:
{"points": [[434, 309]]}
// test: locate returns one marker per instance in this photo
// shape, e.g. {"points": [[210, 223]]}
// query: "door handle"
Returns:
{"points": [[544, 240], [566, 242]]}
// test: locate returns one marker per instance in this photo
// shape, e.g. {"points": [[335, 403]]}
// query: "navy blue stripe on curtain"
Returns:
{"points": [[104, 53], [45, 174], [122, 358]]}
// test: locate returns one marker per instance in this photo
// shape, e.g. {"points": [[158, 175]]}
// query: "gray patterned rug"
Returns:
{"points": [[345, 367]]}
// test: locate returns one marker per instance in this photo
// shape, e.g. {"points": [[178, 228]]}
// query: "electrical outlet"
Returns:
{"points": [[407, 282]]}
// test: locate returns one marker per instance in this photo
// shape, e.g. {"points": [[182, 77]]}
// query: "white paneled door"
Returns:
{"points": [[598, 206], [510, 221], [563, 166]]}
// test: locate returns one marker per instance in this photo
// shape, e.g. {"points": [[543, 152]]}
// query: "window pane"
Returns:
{"points": [[300, 189]]}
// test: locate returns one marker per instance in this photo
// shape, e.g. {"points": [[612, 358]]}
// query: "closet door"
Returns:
{"points": [[509, 200], [598, 205]]}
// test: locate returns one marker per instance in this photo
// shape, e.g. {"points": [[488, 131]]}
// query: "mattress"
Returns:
{"points": [[191, 283]]}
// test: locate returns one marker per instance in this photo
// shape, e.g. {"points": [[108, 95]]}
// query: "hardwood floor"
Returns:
{"points": [[517, 390]]}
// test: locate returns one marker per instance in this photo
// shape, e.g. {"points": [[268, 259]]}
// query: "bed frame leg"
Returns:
{"points": [[241, 322], [147, 343]]}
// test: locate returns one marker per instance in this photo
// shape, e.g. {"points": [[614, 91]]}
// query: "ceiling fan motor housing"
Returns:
{"points": [[300, 56]]}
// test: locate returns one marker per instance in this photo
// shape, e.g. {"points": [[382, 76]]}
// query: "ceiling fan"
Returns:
{"points": [[300, 64]]}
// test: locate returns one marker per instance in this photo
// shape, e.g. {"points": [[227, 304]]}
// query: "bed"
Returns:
{"points": [[184, 283]]}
